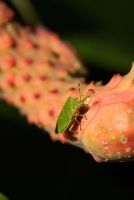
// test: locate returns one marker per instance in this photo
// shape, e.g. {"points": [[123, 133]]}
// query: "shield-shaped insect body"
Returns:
{"points": [[70, 112]]}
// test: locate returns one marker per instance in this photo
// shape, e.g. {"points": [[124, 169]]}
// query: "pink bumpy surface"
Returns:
{"points": [[108, 130], [36, 69]]}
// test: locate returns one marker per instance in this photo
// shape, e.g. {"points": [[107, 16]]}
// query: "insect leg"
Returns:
{"points": [[79, 92], [74, 122], [71, 127], [77, 122]]}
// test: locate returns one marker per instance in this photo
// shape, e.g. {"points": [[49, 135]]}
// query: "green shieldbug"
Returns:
{"points": [[72, 109]]}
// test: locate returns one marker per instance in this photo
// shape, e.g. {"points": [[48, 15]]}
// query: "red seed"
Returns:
{"points": [[9, 41], [91, 91], [22, 98], [37, 95], [10, 61], [54, 91], [10, 14], [43, 78], [72, 89], [27, 60], [27, 77], [51, 112], [11, 83]]}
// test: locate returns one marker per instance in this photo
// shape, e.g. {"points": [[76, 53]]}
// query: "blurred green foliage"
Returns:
{"points": [[3, 197], [101, 31]]}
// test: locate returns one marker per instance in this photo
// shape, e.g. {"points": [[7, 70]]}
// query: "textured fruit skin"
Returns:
{"points": [[108, 132], [35, 76], [35, 70]]}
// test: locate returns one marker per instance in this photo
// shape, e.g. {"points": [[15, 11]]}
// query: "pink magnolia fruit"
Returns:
{"points": [[36, 70], [107, 132]]}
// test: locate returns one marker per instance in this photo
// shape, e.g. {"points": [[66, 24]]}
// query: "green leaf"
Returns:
{"points": [[27, 11], [3, 197], [102, 52]]}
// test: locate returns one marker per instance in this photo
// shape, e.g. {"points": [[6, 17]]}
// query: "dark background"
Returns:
{"points": [[31, 165]]}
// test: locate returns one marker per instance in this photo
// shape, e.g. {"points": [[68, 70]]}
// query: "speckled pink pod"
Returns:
{"points": [[108, 131], [35, 71]]}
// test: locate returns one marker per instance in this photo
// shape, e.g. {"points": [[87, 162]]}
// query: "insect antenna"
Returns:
{"points": [[80, 92]]}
